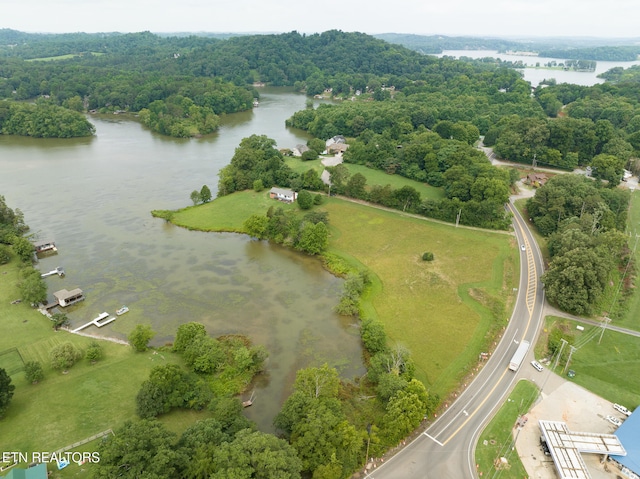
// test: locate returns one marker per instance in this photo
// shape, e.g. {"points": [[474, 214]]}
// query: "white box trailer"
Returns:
{"points": [[518, 357]]}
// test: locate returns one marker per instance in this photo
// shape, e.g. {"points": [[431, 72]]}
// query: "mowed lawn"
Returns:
{"points": [[497, 438], [374, 177], [64, 408], [227, 213], [429, 306], [608, 366], [631, 319], [445, 311]]}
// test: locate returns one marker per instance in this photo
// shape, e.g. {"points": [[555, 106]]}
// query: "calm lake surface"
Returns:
{"points": [[536, 75], [94, 197]]}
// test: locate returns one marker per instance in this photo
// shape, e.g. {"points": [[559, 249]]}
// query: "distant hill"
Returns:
{"points": [[435, 44], [583, 48]]}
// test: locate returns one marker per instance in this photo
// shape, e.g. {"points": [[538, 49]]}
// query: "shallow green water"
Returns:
{"points": [[93, 197]]}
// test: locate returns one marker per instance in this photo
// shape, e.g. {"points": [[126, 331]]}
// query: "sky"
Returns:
{"points": [[493, 18]]}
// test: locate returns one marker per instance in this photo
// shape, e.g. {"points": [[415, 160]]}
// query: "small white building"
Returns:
{"points": [[66, 298], [281, 194]]}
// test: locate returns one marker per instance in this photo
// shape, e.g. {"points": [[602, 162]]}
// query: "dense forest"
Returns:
{"points": [[403, 113], [585, 226], [608, 53]]}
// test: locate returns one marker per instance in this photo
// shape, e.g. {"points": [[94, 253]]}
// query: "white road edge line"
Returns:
{"points": [[433, 439]]}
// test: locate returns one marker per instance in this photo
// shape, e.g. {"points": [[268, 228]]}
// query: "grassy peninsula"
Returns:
{"points": [[445, 311]]}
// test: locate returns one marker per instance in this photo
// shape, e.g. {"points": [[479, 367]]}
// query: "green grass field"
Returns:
{"points": [[61, 57], [445, 311], [11, 361], [609, 369], [499, 437], [227, 213], [374, 177], [65, 408], [631, 318]]}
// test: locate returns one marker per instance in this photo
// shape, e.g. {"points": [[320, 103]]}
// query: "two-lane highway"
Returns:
{"points": [[446, 449]]}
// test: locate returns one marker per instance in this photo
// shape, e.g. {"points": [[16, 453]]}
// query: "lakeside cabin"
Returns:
{"points": [[44, 245], [281, 194], [67, 298]]}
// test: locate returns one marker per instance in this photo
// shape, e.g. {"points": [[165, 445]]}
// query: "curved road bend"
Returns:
{"points": [[446, 449]]}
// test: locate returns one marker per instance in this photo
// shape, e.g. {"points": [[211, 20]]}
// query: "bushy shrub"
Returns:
{"points": [[33, 372]]}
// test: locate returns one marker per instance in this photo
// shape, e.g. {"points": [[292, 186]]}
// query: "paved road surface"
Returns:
{"points": [[446, 449]]}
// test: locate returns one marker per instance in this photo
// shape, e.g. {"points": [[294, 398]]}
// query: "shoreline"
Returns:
{"points": [[96, 336]]}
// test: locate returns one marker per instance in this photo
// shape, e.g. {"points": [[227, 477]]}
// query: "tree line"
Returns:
{"points": [[42, 120], [584, 223]]}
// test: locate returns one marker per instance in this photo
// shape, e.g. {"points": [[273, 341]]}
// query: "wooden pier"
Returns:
{"points": [[101, 320]]}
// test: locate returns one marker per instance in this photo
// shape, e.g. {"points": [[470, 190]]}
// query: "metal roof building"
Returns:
{"points": [[566, 448], [38, 471], [629, 435]]}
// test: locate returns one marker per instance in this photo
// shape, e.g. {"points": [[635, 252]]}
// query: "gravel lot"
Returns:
{"points": [[583, 411]]}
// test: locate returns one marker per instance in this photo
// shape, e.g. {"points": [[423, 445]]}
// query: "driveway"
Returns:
{"points": [[329, 161]]}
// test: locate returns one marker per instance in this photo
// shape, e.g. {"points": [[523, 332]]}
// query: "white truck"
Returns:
{"points": [[519, 355]]}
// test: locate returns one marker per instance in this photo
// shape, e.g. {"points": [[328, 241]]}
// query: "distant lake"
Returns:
{"points": [[536, 75]]}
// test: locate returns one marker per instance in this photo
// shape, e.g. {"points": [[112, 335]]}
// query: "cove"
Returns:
{"points": [[94, 197]]}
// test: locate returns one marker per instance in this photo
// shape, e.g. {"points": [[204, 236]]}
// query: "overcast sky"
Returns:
{"points": [[567, 18]]}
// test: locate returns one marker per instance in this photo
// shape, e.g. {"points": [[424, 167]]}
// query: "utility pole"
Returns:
{"points": [[458, 217], [534, 163], [564, 343], [571, 351]]}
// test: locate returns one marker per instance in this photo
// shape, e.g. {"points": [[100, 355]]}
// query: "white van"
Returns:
{"points": [[622, 409], [537, 365]]}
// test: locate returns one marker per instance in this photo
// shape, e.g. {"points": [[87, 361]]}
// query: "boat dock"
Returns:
{"points": [[59, 271], [101, 320]]}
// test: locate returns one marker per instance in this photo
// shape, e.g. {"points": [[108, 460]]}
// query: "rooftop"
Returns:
{"points": [[629, 435], [566, 448]]}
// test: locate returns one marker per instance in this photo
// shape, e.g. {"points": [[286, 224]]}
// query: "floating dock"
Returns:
{"points": [[101, 320], [59, 271]]}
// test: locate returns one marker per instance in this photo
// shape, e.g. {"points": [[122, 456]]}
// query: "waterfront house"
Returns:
{"points": [[281, 194], [44, 245], [67, 298], [299, 150], [337, 148], [335, 139]]}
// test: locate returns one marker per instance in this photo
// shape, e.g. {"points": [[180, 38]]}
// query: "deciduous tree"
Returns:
{"points": [[140, 336], [305, 200], [33, 288], [64, 355], [205, 194], [187, 333], [6, 391], [94, 351], [140, 449], [33, 372]]}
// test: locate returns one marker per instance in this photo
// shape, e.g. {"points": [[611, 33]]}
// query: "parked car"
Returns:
{"points": [[614, 420], [537, 365], [622, 409]]}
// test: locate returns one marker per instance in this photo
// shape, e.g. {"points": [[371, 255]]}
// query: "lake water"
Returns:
{"points": [[537, 75], [94, 197]]}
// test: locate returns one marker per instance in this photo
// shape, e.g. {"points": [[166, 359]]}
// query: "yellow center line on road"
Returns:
{"points": [[531, 293]]}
